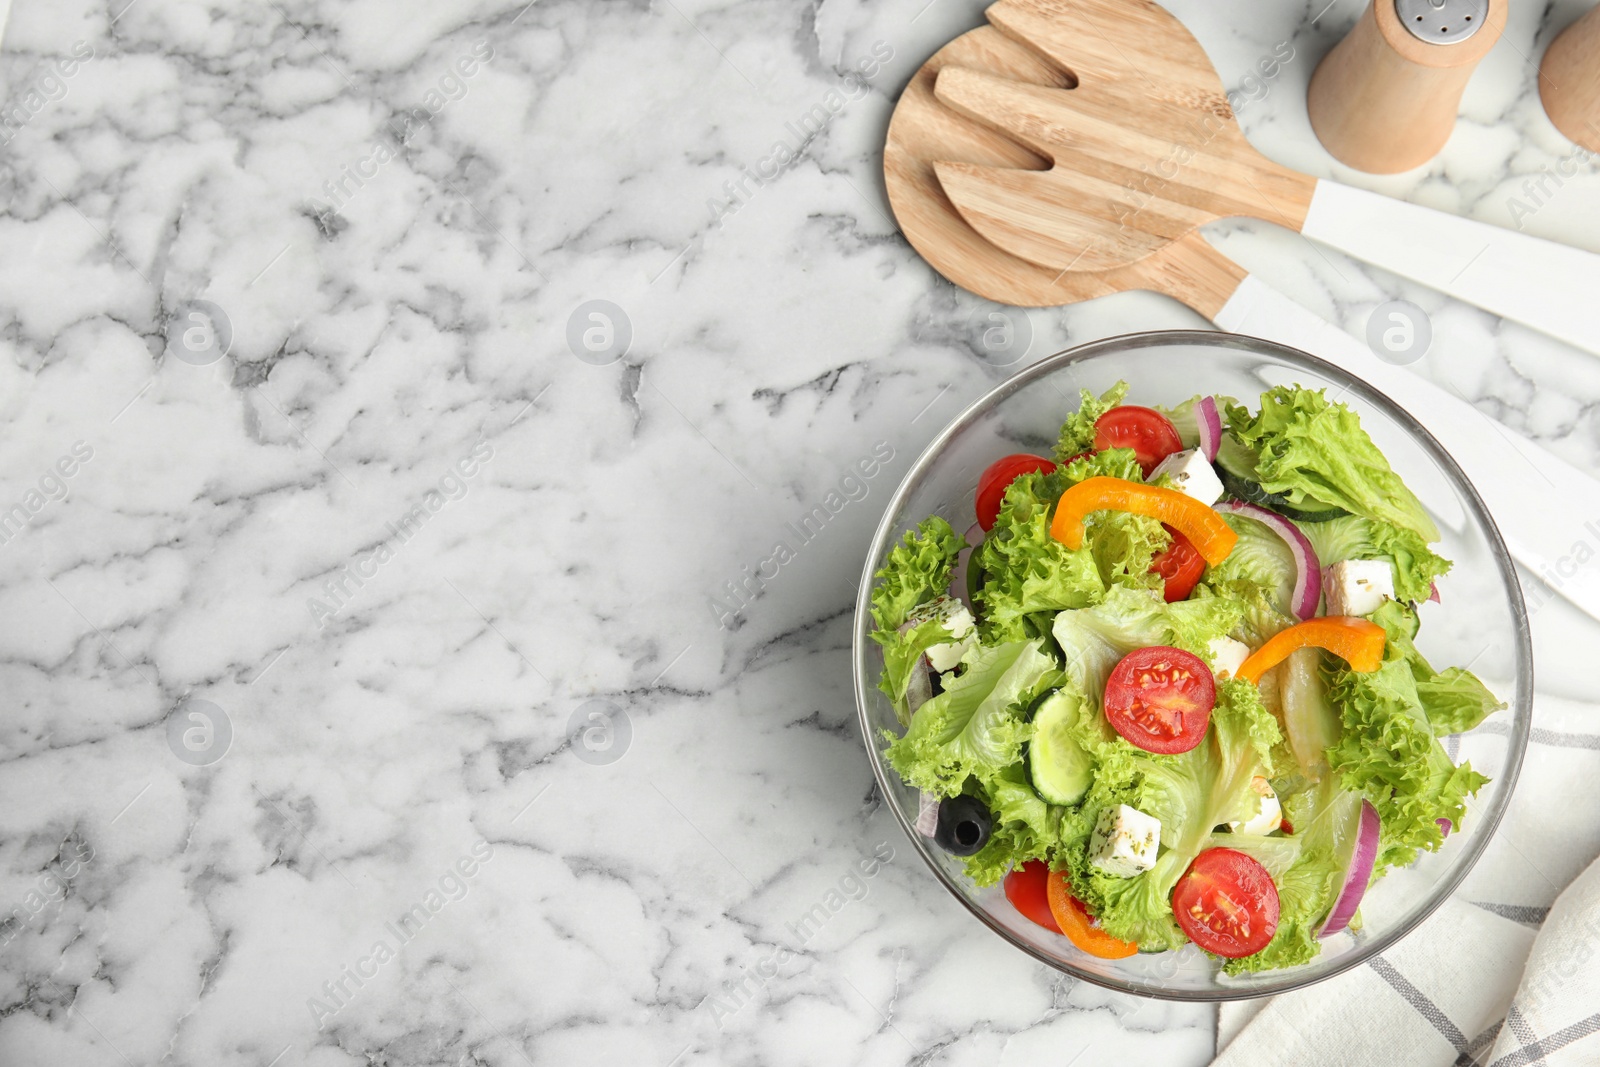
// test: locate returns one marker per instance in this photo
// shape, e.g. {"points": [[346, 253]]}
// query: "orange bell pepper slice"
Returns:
{"points": [[1357, 641], [1074, 922], [1205, 528]]}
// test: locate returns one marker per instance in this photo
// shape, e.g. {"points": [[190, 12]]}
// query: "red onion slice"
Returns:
{"points": [[1445, 826], [1433, 592], [1362, 856], [958, 573], [1308, 572], [919, 688], [927, 814], [1209, 421]]}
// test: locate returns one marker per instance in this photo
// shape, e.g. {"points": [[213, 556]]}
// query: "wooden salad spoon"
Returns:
{"points": [[1155, 152]]}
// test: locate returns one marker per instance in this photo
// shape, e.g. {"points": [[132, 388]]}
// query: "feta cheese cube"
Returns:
{"points": [[1191, 475], [1125, 841], [955, 617], [1269, 814], [1227, 656], [1358, 586]]}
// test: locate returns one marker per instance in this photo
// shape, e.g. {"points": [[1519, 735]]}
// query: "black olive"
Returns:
{"points": [[963, 826]]}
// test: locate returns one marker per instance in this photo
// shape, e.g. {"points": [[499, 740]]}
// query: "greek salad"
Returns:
{"points": [[1166, 687]]}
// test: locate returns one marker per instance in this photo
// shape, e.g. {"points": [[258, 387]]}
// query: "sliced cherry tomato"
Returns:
{"points": [[1160, 699], [1287, 827], [1180, 566], [1149, 433], [1027, 889], [1073, 920], [994, 482], [1226, 903]]}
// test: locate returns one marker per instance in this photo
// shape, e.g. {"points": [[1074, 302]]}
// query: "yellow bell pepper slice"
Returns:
{"points": [[1357, 641], [1204, 528]]}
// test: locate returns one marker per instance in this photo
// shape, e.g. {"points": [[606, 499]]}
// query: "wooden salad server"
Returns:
{"points": [[1155, 152], [1518, 479]]}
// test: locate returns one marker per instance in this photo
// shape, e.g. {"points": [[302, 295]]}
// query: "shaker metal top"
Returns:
{"points": [[1442, 21]]}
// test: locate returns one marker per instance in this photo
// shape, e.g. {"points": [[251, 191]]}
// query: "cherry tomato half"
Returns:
{"points": [[1026, 888], [1226, 903], [1180, 566], [1149, 433], [1074, 921], [994, 482], [1160, 699]]}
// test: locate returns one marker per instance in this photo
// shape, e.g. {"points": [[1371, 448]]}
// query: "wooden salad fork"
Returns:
{"points": [[1154, 152]]}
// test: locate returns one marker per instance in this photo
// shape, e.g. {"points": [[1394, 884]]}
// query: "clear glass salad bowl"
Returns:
{"points": [[1481, 622]]}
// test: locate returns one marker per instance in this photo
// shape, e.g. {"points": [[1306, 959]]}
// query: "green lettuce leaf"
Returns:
{"points": [[1024, 826], [1315, 452], [1112, 463], [1259, 558], [1259, 617], [1183, 418], [1123, 544], [901, 654], [1093, 639], [976, 726], [1388, 752], [1453, 699], [917, 570], [1416, 566], [1077, 433], [1027, 574], [1323, 818], [1190, 793], [1456, 701]]}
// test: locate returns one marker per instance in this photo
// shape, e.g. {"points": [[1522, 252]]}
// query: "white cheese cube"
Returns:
{"points": [[1191, 475], [1227, 656], [1269, 814], [1125, 841], [1358, 586], [957, 620]]}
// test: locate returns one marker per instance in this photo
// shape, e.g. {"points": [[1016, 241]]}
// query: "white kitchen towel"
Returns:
{"points": [[1473, 985], [1555, 1019]]}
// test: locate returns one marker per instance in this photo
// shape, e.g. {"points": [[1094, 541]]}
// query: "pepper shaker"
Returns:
{"points": [[1385, 99], [1569, 81]]}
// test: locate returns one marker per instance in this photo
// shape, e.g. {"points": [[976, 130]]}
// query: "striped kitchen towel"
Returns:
{"points": [[1505, 974]]}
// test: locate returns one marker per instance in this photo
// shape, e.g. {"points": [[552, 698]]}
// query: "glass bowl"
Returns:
{"points": [[1024, 415]]}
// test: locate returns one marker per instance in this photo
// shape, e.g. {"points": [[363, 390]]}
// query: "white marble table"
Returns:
{"points": [[292, 653]]}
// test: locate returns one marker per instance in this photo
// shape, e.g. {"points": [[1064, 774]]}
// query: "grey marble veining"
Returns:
{"points": [[294, 654]]}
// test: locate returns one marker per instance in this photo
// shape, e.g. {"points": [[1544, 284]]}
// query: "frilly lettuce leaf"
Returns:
{"points": [[917, 570], [1315, 452], [1388, 750], [1027, 573], [1077, 433], [1024, 826]]}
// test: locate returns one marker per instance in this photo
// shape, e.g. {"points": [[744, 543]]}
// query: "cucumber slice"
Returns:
{"points": [[1061, 770], [1236, 466]]}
